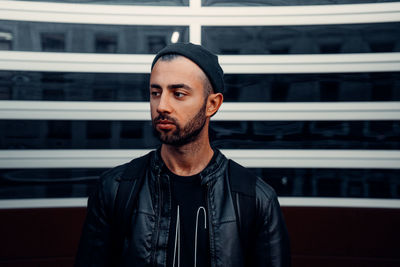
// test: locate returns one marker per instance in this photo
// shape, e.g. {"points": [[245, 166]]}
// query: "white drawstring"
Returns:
{"points": [[195, 236], [177, 239], [177, 244]]}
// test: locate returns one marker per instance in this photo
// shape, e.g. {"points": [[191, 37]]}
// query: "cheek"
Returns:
{"points": [[190, 112]]}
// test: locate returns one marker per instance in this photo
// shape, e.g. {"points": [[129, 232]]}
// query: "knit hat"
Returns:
{"points": [[206, 60]]}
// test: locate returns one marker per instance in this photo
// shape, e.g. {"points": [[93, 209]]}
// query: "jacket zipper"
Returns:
{"points": [[155, 241], [210, 228]]}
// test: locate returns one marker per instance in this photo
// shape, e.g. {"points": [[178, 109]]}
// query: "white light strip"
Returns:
{"points": [[309, 111], [230, 111], [70, 158], [128, 63], [339, 202], [167, 15], [75, 62], [35, 203], [314, 158], [53, 110], [255, 158], [291, 202], [332, 63]]}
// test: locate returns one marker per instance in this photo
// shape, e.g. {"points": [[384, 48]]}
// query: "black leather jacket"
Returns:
{"points": [[146, 244]]}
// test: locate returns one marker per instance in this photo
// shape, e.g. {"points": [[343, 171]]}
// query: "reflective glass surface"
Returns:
{"points": [[286, 2], [40, 134], [312, 87], [61, 86], [313, 39], [122, 2], [296, 182], [87, 38], [352, 183], [306, 134], [25, 85], [47, 183]]}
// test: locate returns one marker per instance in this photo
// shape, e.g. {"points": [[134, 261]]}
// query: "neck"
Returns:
{"points": [[188, 159]]}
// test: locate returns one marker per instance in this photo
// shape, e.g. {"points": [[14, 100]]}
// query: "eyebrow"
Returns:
{"points": [[155, 86], [179, 85], [172, 86]]}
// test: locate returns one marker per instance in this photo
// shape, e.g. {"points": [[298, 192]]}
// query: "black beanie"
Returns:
{"points": [[206, 60]]}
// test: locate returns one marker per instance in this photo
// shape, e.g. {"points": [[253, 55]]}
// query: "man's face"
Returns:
{"points": [[178, 105]]}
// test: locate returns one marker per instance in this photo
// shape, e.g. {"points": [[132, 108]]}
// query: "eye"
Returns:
{"points": [[179, 94], [155, 93]]}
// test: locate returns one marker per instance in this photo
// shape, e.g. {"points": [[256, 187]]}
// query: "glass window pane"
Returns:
{"points": [[313, 39], [41, 134], [26, 85], [47, 183], [106, 43], [312, 87], [351, 183], [87, 38], [6, 40], [341, 87], [52, 42], [286, 2], [305, 134], [296, 182]]}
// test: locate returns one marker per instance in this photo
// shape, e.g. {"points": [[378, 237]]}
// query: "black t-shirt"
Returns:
{"points": [[188, 236]]}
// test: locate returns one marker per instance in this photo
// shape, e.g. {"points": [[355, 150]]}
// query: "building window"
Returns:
{"points": [[106, 43], [6, 40], [53, 42]]}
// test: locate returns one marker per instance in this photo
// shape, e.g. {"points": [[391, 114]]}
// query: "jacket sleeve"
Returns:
{"points": [[95, 243], [272, 246]]}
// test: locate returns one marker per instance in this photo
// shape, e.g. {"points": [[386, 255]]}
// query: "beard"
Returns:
{"points": [[181, 136]]}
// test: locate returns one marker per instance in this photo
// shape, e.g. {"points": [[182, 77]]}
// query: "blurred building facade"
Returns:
{"points": [[312, 101]]}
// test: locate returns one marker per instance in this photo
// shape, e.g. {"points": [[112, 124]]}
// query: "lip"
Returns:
{"points": [[165, 124]]}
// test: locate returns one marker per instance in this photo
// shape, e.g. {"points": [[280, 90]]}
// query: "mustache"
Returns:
{"points": [[164, 117]]}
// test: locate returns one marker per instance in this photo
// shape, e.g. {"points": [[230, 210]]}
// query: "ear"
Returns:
{"points": [[214, 101]]}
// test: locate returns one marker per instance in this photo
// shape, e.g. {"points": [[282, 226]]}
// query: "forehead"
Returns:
{"points": [[178, 70]]}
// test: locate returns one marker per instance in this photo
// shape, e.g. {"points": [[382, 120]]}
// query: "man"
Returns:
{"points": [[187, 204]]}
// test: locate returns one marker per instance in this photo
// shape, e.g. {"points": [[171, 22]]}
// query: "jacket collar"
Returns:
{"points": [[211, 172]]}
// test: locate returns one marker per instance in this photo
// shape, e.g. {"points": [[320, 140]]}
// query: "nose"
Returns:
{"points": [[164, 104]]}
